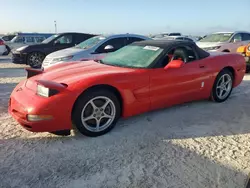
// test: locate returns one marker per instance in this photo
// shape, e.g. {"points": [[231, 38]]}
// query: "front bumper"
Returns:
{"points": [[24, 101], [19, 58]]}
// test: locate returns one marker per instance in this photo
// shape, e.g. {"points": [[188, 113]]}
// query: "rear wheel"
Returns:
{"points": [[223, 86], [96, 112], [35, 59]]}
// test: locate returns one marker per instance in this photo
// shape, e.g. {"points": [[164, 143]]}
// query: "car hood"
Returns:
{"points": [[35, 46], [77, 71], [67, 52], [209, 44]]}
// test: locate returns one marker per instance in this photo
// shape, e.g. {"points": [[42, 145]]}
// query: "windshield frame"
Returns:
{"points": [[150, 66], [214, 34]]}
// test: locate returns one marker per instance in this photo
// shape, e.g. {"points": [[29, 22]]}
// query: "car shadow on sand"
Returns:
{"points": [[196, 144]]}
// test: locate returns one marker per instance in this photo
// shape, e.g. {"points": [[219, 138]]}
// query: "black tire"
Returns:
{"points": [[35, 59], [214, 94], [82, 104], [8, 50], [248, 68]]}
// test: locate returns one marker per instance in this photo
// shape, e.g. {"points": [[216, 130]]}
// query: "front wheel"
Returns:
{"points": [[223, 86], [35, 59], [96, 112]]}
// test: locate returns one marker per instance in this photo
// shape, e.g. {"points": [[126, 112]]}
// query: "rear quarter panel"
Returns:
{"points": [[217, 62]]}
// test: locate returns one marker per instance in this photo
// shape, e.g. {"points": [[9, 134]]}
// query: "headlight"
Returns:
{"points": [[211, 48], [21, 48], [63, 58], [42, 91], [214, 48], [248, 48], [49, 89]]}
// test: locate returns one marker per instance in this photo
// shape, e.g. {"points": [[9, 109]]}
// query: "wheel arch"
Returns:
{"points": [[105, 87], [36, 51], [231, 69]]}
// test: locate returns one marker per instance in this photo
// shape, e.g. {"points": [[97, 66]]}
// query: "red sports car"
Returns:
{"points": [[143, 76]]}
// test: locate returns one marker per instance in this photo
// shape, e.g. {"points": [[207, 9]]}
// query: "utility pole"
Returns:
{"points": [[55, 27]]}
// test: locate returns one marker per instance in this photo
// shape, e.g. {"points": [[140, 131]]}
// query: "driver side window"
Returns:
{"points": [[116, 43], [184, 53], [237, 37], [65, 39], [19, 40]]}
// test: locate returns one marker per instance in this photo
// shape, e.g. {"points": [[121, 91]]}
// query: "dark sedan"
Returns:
{"points": [[33, 55]]}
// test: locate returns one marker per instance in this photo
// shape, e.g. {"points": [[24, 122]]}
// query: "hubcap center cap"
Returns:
{"points": [[98, 113]]}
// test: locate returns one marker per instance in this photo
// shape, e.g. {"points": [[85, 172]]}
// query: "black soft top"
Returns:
{"points": [[169, 44]]}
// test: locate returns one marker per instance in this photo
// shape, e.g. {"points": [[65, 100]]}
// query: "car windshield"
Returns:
{"points": [[90, 42], [217, 37], [49, 39], [133, 56]]}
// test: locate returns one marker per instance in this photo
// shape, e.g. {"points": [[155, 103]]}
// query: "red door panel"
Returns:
{"points": [[175, 86]]}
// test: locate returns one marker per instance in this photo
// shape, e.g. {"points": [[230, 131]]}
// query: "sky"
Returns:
{"points": [[126, 16]]}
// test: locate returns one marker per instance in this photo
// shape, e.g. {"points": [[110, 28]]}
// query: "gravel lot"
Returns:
{"points": [[200, 144]]}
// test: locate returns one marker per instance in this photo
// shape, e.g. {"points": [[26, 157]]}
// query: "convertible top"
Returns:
{"points": [[164, 44], [169, 44]]}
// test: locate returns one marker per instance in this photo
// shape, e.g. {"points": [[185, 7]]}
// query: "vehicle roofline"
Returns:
{"points": [[125, 35]]}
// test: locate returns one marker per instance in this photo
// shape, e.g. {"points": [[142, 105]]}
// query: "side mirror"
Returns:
{"points": [[236, 40], [109, 48], [56, 42], [175, 64]]}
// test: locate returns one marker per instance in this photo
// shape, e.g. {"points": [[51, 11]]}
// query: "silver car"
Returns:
{"points": [[93, 48], [224, 41]]}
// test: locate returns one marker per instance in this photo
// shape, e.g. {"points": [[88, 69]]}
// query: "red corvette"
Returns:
{"points": [[143, 76]]}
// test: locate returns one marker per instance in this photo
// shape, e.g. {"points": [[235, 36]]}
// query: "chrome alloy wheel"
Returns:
{"points": [[98, 114], [224, 86]]}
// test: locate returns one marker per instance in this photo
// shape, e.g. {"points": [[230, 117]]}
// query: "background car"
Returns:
{"points": [[22, 39], [164, 34], [7, 38], [245, 51], [3, 48], [34, 55], [224, 41], [175, 38], [137, 78], [93, 48]]}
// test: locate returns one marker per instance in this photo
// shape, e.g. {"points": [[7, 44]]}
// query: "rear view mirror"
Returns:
{"points": [[175, 64]]}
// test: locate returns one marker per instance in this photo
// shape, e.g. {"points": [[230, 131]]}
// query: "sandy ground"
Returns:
{"points": [[195, 145]]}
